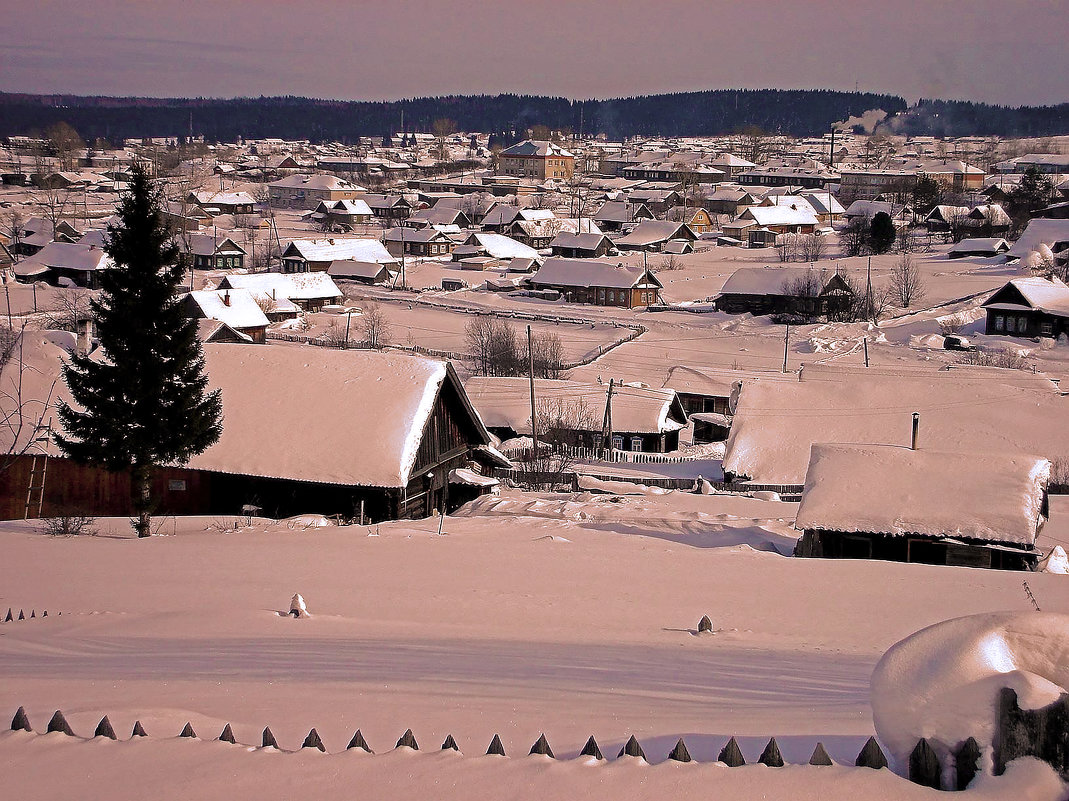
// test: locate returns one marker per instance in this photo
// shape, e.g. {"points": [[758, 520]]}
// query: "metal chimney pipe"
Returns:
{"points": [[916, 426]]}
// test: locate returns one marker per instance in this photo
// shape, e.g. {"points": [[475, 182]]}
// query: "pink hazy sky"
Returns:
{"points": [[1001, 51]]}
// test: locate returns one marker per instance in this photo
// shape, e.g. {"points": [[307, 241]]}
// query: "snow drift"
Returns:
{"points": [[942, 682]]}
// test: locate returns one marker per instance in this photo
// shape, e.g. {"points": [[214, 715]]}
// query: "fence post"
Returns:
{"points": [[924, 765]]}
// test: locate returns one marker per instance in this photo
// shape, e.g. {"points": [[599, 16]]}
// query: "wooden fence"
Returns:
{"points": [[524, 477], [924, 763]]}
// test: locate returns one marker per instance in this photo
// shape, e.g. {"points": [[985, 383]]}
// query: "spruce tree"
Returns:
{"points": [[145, 403], [882, 232]]}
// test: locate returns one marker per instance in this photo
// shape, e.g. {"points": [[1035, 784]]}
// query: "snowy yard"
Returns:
{"points": [[569, 615]]}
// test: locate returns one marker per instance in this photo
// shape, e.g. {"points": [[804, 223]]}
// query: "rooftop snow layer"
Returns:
{"points": [[892, 489]]}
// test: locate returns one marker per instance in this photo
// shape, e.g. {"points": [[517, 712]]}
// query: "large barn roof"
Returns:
{"points": [[887, 489], [776, 422]]}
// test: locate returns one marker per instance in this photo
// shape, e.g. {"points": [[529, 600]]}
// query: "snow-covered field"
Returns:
{"points": [[568, 615]]}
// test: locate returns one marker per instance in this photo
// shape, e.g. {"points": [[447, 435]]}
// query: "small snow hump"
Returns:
{"points": [[705, 625], [313, 740], [408, 740], [138, 730], [871, 756], [680, 752], [227, 735], [298, 608], [104, 729], [541, 746], [632, 749], [450, 744], [496, 748], [188, 731], [20, 722], [731, 755], [771, 755], [591, 749], [268, 740], [358, 741], [59, 723], [820, 756]]}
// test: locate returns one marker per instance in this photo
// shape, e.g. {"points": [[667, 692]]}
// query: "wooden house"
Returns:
{"points": [[651, 235], [418, 242], [601, 283], [238, 308], [206, 252], [64, 262], [363, 272], [706, 397], [342, 213], [1029, 307], [312, 255], [355, 433], [782, 290], [644, 419], [697, 219], [216, 203], [892, 503], [306, 291], [614, 215], [580, 246], [388, 207]]}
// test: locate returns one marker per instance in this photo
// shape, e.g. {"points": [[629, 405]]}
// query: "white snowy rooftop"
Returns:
{"points": [[889, 489], [291, 286], [235, 307]]}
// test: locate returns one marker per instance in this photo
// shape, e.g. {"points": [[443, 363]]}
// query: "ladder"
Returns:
{"points": [[35, 489]]}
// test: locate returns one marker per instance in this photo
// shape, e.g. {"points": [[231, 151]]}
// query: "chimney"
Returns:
{"points": [[916, 426], [84, 343], [226, 298]]}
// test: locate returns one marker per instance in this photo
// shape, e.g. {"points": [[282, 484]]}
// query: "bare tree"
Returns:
{"points": [[375, 326], [854, 238], [811, 247], [443, 128], [493, 347], [15, 230], [53, 202], [562, 424], [65, 142], [548, 355], [670, 262], [907, 285], [786, 247], [68, 306]]}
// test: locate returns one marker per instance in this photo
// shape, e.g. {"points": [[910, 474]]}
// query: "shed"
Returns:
{"points": [[891, 502]]}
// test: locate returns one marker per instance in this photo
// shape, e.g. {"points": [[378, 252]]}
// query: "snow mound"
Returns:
{"points": [[1054, 562], [298, 608], [942, 682], [307, 521]]}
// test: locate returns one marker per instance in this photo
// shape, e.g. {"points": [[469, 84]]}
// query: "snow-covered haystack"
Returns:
{"points": [[298, 608], [1054, 562], [942, 683]]}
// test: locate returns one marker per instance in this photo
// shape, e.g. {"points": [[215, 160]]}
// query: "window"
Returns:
{"points": [[618, 442], [612, 296], [1000, 322], [1011, 324], [636, 444]]}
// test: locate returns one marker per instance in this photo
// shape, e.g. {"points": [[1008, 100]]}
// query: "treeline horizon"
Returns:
{"points": [[792, 112]]}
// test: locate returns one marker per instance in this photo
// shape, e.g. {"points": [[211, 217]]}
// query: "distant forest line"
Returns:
{"points": [[795, 113]]}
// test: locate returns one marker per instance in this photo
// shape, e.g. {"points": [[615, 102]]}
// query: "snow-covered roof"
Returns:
{"points": [[1043, 294], [582, 241], [291, 286], [235, 307], [319, 182], [1040, 231], [768, 280], [339, 249], [536, 147], [781, 215], [695, 381], [208, 245], [776, 422], [356, 208], [348, 268], [978, 244], [506, 403], [503, 247], [650, 232], [590, 273], [292, 414], [889, 489], [67, 256]]}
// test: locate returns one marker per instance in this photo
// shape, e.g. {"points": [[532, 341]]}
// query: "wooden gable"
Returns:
{"points": [[1008, 294]]}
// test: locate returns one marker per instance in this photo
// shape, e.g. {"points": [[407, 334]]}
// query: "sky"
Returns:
{"points": [[1010, 52]]}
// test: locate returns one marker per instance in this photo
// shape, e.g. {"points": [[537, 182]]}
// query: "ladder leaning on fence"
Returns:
{"points": [[35, 488]]}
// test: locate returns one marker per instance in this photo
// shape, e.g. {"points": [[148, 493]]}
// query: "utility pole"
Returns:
{"points": [[786, 339], [348, 319], [607, 419], [866, 341], [530, 376]]}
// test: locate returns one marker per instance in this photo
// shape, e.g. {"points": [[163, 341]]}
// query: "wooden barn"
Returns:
{"points": [[783, 290], [892, 503], [643, 419], [334, 432], [602, 283], [1029, 307]]}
